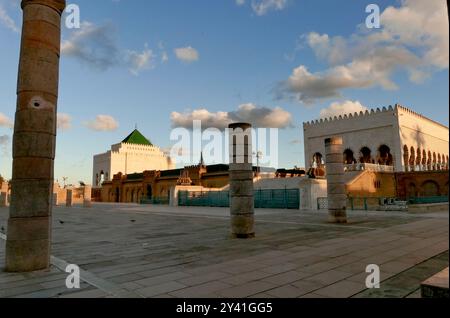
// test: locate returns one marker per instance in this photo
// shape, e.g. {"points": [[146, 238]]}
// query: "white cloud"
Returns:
{"points": [[64, 121], [341, 108], [6, 121], [263, 117], [413, 39], [93, 45], [375, 69], [240, 2], [7, 21], [103, 123], [262, 7], [5, 141], [187, 54], [139, 62], [96, 46]]}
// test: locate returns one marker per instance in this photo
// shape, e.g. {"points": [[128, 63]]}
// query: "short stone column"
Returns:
{"points": [[241, 181], [69, 198], [87, 194], [3, 199], [337, 196], [55, 199]]}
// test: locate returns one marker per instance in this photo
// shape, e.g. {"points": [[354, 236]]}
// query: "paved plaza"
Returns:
{"points": [[160, 251]]}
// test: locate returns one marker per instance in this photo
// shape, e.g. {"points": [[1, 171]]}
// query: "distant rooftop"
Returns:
{"points": [[137, 138]]}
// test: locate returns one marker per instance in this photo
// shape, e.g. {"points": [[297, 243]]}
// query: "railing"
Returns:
{"points": [[156, 201], [383, 203], [368, 166], [428, 200], [277, 199], [263, 199], [209, 199]]}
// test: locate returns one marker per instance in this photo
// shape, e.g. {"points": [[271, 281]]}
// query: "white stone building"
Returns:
{"points": [[133, 155], [394, 138]]}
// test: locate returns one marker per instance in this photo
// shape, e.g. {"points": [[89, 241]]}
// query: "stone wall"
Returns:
{"points": [[422, 184]]}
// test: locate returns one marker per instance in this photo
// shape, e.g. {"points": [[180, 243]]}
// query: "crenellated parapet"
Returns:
{"points": [[350, 116]]}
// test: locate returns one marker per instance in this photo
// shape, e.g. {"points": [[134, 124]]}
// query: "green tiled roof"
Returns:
{"points": [[137, 138]]}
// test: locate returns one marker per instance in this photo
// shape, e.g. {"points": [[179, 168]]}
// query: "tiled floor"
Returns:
{"points": [[160, 251]]}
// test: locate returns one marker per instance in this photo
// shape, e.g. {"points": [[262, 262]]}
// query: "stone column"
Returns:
{"points": [[3, 199], [55, 199], [337, 196], [87, 194], [241, 181], [69, 198], [29, 224]]}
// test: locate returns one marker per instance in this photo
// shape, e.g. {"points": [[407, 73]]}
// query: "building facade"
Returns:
{"points": [[390, 139], [134, 154], [156, 184]]}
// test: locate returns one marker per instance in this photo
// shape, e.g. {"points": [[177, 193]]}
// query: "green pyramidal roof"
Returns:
{"points": [[137, 138]]}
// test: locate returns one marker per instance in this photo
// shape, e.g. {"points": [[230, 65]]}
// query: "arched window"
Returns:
{"points": [[429, 161], [149, 192], [102, 178], [419, 159], [424, 159], [406, 157], [411, 191], [412, 159], [317, 160], [365, 155], [385, 156], [349, 157], [430, 189]]}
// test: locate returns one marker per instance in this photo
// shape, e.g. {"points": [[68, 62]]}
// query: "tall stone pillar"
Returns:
{"points": [[337, 196], [241, 181], [29, 224], [87, 196]]}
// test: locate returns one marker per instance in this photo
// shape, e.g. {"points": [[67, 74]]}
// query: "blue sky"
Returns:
{"points": [[138, 61]]}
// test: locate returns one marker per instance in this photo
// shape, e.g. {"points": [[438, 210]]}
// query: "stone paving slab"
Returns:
{"points": [[159, 251]]}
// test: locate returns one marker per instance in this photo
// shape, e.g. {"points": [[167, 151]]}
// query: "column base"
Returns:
{"points": [[27, 256], [243, 236]]}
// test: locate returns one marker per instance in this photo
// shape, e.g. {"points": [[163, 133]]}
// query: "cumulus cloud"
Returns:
{"points": [[262, 7], [96, 46], [93, 45], [102, 123], [5, 121], [64, 121], [341, 108], [140, 61], [5, 140], [187, 54], [375, 69], [263, 117], [413, 39], [7, 21], [240, 2]]}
